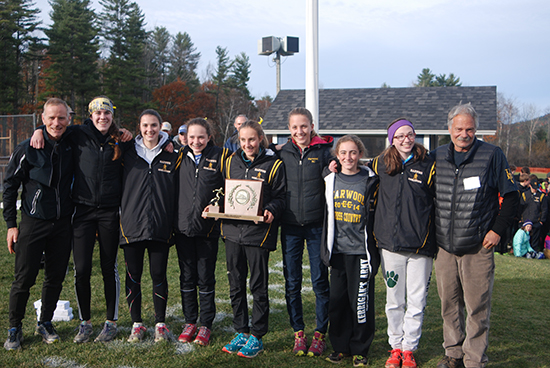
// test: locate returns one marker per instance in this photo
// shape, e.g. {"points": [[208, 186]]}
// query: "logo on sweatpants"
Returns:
{"points": [[362, 295], [391, 278]]}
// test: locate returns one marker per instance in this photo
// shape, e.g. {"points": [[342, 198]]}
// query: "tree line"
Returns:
{"points": [[87, 53], [523, 131]]}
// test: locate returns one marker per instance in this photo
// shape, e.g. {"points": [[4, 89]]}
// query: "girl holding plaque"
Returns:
{"points": [[348, 247], [196, 237], [248, 243], [146, 222]]}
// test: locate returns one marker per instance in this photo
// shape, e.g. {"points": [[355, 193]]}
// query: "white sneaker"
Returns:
{"points": [[138, 331], [161, 332]]}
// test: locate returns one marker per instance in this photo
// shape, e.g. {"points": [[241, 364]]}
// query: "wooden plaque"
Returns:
{"points": [[243, 201]]}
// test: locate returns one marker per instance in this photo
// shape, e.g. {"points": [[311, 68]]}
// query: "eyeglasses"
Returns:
{"points": [[401, 138]]}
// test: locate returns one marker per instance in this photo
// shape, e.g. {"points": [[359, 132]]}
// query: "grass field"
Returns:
{"points": [[520, 329]]}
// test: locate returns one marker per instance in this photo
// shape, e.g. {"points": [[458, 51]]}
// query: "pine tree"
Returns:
{"points": [[425, 78], [428, 79], [443, 81], [18, 21], [241, 75], [159, 39], [124, 73], [74, 52], [184, 60]]}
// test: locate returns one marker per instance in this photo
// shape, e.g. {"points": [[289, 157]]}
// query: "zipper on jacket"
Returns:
{"points": [[453, 203], [195, 194], [398, 208], [34, 200], [300, 194], [100, 176], [58, 180]]}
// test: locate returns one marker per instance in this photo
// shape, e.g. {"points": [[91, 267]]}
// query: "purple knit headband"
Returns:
{"points": [[398, 124]]}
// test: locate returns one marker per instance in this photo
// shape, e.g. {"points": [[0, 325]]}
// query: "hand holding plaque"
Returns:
{"points": [[243, 201]]}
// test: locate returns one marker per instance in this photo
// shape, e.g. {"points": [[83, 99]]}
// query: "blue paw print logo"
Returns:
{"points": [[391, 278]]}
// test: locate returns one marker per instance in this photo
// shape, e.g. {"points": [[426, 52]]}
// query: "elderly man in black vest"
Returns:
{"points": [[470, 175]]}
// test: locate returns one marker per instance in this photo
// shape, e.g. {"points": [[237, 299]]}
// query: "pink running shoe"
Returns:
{"points": [[203, 336], [318, 345], [300, 343], [188, 333]]}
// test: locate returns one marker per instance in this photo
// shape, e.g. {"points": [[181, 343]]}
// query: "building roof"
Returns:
{"points": [[370, 110]]}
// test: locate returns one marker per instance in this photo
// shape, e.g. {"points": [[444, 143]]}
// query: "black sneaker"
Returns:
{"points": [[47, 331], [336, 357], [15, 337], [450, 362], [359, 361]]}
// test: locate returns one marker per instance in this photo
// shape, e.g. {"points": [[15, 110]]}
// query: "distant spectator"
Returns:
{"points": [[534, 207], [513, 169], [535, 182], [546, 249], [167, 127], [526, 170], [522, 248], [180, 140], [544, 184], [232, 142]]}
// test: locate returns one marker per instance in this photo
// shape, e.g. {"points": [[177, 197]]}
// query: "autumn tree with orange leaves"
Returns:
{"points": [[177, 104]]}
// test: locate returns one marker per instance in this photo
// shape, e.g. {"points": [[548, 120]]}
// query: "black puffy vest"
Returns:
{"points": [[305, 196], [463, 217]]}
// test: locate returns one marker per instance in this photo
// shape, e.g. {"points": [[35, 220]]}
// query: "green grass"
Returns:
{"points": [[519, 325]]}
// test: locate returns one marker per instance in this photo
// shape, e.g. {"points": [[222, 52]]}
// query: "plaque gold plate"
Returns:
{"points": [[243, 201]]}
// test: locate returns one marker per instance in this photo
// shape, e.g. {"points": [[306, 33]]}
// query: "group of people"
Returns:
{"points": [[532, 223], [352, 218]]}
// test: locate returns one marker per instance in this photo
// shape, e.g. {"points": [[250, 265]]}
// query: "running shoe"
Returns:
{"points": [[203, 336], [188, 332], [253, 347], [108, 332], [394, 361], [47, 331], [161, 332], [408, 360], [300, 343], [15, 337], [138, 331], [318, 345], [359, 361], [236, 344], [336, 357], [85, 330]]}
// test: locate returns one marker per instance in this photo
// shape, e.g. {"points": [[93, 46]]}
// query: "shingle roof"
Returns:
{"points": [[374, 108]]}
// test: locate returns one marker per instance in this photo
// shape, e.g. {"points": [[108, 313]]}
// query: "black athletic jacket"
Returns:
{"points": [[148, 197], [305, 188], [98, 179], [196, 183], [404, 217], [46, 183], [269, 169]]}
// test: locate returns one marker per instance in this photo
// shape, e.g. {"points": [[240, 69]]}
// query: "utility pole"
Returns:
{"points": [[312, 60], [279, 46]]}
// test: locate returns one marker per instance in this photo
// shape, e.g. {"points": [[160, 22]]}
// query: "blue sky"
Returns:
{"points": [[365, 43]]}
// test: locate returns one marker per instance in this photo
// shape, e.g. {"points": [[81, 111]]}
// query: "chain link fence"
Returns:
{"points": [[14, 129]]}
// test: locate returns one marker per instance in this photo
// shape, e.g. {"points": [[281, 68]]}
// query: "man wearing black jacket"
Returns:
{"points": [[469, 175], [45, 227]]}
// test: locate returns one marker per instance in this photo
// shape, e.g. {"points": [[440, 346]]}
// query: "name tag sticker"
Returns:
{"points": [[472, 183]]}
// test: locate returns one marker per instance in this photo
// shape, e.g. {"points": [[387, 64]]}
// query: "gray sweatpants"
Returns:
{"points": [[466, 282]]}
